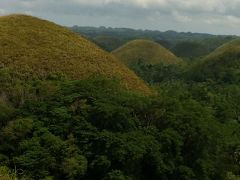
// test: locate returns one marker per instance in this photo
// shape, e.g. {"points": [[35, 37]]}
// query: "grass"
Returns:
{"points": [[6, 174], [146, 51], [34, 49], [230, 47], [222, 64]]}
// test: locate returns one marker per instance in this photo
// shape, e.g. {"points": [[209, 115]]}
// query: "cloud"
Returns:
{"points": [[193, 6], [137, 3], [219, 6], [229, 20], [181, 18], [3, 11], [213, 16]]}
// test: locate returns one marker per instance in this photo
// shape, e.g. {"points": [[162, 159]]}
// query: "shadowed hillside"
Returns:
{"points": [[108, 43], [37, 49], [144, 51]]}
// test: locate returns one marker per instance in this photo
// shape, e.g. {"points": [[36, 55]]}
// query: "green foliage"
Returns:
{"points": [[155, 74], [231, 176], [116, 175], [6, 113], [6, 174], [92, 129], [190, 49], [108, 43], [75, 167]]}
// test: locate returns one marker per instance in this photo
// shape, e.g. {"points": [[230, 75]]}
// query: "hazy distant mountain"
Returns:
{"points": [[183, 44]]}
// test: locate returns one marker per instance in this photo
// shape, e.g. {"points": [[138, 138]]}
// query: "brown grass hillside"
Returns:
{"points": [[146, 51], [35, 48]]}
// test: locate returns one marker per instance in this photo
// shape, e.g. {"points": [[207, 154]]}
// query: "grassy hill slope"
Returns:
{"points": [[36, 49], [223, 64], [146, 51]]}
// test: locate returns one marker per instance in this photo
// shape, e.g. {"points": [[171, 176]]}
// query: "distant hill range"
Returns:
{"points": [[182, 44]]}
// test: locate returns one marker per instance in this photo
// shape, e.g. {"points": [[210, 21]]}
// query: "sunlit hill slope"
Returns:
{"points": [[35, 49]]}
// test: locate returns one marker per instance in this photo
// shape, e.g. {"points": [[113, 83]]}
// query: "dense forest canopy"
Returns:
{"points": [[92, 129]]}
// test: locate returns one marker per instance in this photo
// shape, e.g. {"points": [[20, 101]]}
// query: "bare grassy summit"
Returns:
{"points": [[148, 52], [34, 49]]}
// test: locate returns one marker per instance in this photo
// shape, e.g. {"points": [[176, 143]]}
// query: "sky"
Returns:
{"points": [[205, 16]]}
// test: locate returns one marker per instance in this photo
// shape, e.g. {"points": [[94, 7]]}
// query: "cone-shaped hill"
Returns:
{"points": [[232, 47], [222, 65], [34, 49], [145, 51]]}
